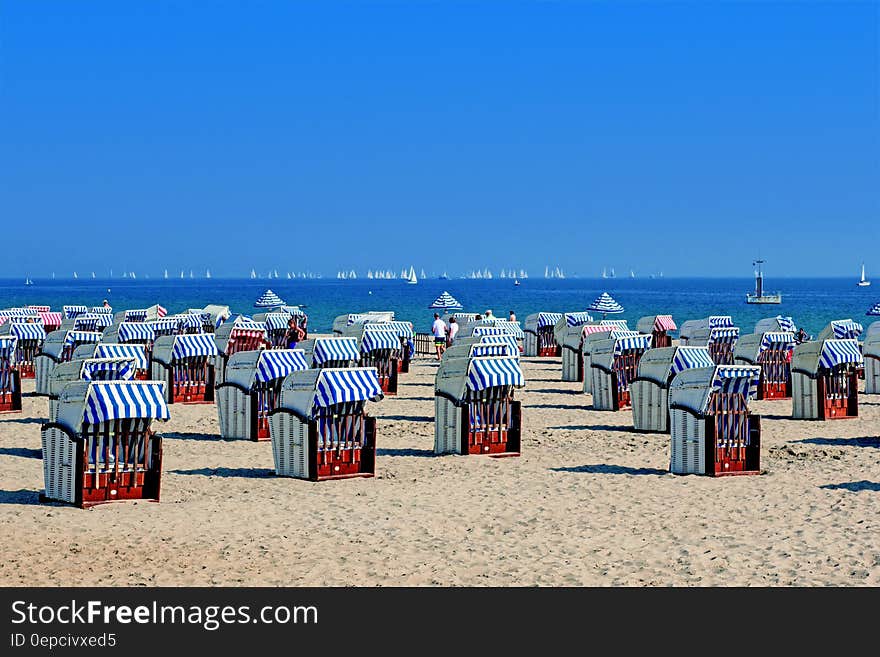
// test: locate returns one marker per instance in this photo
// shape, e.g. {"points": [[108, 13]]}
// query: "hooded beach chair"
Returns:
{"points": [[140, 334], [776, 324], [841, 329], [658, 326], [10, 379], [58, 347], [824, 379], [241, 334], [572, 346], [74, 311], [276, 327], [252, 389], [592, 335], [613, 366], [479, 347], [539, 339], [720, 340], [568, 321], [342, 321], [30, 341], [185, 363], [87, 369], [474, 408], [685, 333], [51, 320], [871, 354], [101, 448], [712, 430], [320, 429], [649, 390], [337, 352], [771, 351], [133, 351], [380, 348], [133, 315]]}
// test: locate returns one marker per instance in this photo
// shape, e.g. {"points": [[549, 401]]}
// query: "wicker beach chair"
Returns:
{"points": [[252, 389], [101, 447], [474, 408], [658, 326], [185, 364], [10, 378], [242, 334], [649, 390], [613, 366], [824, 379], [320, 429], [712, 430], [88, 369], [539, 339], [771, 351], [58, 347]]}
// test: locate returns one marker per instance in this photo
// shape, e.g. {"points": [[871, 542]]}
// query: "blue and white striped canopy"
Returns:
{"points": [[96, 310], [100, 320], [839, 352], [268, 300], [136, 352], [777, 340], [107, 369], [617, 323], [403, 329], [379, 339], [248, 325], [500, 339], [74, 311], [503, 349], [327, 349], [606, 305], [18, 312], [845, 329], [7, 346], [512, 327], [446, 302], [491, 372], [351, 385], [195, 344], [687, 358], [135, 315], [725, 334], [82, 337], [637, 342], [28, 331], [548, 319], [132, 331], [490, 330], [276, 321], [188, 321], [113, 400], [165, 325], [737, 379], [720, 321], [277, 363], [874, 310], [786, 324], [294, 310], [577, 319]]}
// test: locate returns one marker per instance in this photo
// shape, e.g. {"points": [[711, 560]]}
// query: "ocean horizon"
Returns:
{"points": [[811, 301]]}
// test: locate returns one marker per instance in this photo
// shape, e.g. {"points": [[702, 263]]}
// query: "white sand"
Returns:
{"points": [[590, 502]]}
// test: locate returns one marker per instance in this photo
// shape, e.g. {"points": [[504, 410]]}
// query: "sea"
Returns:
{"points": [[811, 302]]}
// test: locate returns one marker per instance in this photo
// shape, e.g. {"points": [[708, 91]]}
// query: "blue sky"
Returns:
{"points": [[682, 137]]}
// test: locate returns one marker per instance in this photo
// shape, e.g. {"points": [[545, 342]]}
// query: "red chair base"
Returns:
{"points": [[490, 443], [549, 352], [340, 464], [775, 391]]}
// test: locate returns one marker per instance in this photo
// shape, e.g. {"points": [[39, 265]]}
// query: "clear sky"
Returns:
{"points": [[683, 137]]}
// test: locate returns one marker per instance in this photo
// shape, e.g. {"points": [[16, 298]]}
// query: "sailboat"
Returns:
{"points": [[423, 274], [411, 277], [253, 274], [444, 276], [166, 274], [604, 273], [74, 275], [632, 274], [760, 296], [207, 273], [93, 274], [612, 273], [28, 281], [863, 282]]}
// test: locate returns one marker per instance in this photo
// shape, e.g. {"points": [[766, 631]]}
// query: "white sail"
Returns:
{"points": [[208, 273], [166, 274], [411, 276], [423, 275], [863, 282]]}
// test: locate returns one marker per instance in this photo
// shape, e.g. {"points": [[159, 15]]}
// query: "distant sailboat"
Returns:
{"points": [[444, 276], [604, 273], [181, 274], [612, 273], [253, 274], [411, 277], [74, 275], [632, 274], [93, 274], [207, 273], [166, 274], [863, 282], [516, 282], [28, 281]]}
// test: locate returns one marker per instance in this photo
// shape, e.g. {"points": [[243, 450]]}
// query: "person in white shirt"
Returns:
{"points": [[453, 330], [438, 328]]}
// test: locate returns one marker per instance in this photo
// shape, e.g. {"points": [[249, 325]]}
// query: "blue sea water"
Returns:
{"points": [[812, 302]]}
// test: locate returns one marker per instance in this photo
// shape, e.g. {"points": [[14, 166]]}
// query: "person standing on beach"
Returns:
{"points": [[294, 334], [512, 317], [453, 331], [438, 328]]}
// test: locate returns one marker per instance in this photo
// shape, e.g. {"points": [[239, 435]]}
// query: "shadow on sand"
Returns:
{"points": [[406, 451], [863, 441], [854, 486], [595, 427], [23, 452], [22, 496], [605, 468], [248, 473]]}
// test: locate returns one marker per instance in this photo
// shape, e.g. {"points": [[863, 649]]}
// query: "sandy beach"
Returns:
{"points": [[590, 502]]}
